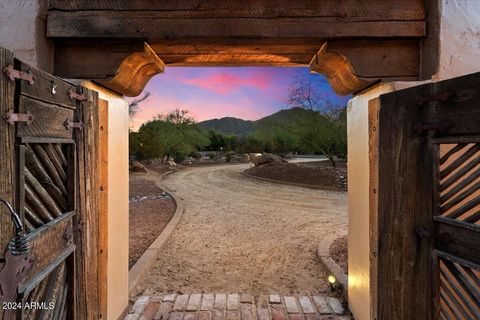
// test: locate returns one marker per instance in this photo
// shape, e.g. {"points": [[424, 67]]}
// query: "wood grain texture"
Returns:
{"points": [[7, 158], [48, 122], [156, 25], [373, 113], [103, 206], [351, 9], [403, 202], [86, 235], [46, 245], [46, 88]]}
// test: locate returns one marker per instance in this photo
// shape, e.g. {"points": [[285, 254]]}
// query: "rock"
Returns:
{"points": [[137, 166], [171, 163], [267, 158], [336, 305]]}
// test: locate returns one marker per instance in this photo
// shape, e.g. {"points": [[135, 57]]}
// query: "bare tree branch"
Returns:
{"points": [[133, 106]]}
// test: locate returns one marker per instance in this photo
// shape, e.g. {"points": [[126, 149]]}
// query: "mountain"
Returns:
{"points": [[229, 125]]}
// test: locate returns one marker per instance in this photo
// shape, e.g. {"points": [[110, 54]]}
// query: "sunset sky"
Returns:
{"points": [[248, 93]]}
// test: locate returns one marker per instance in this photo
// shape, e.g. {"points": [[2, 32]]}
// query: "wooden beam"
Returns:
{"points": [[396, 59], [351, 9], [134, 72], [164, 25], [338, 71]]}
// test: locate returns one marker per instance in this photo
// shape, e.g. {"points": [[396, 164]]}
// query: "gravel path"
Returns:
{"points": [[239, 234]]}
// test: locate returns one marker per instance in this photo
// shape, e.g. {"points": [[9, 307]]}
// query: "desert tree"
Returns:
{"points": [[323, 128]]}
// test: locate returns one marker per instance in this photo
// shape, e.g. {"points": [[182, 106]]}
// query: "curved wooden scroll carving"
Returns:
{"points": [[339, 71], [134, 72]]}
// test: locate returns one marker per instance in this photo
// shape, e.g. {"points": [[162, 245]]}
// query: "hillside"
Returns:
{"points": [[229, 125]]}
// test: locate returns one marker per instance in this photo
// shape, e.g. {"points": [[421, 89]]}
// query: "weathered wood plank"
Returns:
{"points": [[351, 9], [46, 199], [7, 149], [166, 25], [373, 58], [46, 245], [86, 238], [403, 202], [48, 120], [103, 206], [54, 158], [46, 88], [461, 109], [373, 113], [48, 165]]}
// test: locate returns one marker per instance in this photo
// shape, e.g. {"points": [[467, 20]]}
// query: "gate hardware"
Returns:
{"points": [[12, 117], [13, 74], [443, 96], [18, 244], [74, 95], [440, 126], [71, 124]]}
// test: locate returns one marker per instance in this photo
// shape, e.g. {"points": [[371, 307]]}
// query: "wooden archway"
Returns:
{"points": [[353, 44]]}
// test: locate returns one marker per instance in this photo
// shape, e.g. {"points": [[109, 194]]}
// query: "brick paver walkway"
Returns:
{"points": [[236, 307]]}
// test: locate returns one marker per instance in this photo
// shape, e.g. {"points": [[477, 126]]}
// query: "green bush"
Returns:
{"points": [[212, 155], [229, 156]]}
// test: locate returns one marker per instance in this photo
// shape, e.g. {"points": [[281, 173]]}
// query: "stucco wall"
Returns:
{"points": [[23, 32], [117, 274], [459, 38]]}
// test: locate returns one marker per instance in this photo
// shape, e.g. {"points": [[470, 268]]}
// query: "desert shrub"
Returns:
{"points": [[212, 155], [229, 156], [195, 154]]}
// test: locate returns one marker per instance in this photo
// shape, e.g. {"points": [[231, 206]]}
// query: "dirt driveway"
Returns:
{"points": [[239, 234]]}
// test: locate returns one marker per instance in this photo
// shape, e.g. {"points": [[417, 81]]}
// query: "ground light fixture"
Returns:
{"points": [[332, 280]]}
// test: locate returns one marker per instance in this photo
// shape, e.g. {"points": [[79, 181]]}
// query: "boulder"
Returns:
{"points": [[268, 158], [137, 166]]}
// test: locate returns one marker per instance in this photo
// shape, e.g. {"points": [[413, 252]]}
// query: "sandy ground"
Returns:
{"points": [[240, 234]]}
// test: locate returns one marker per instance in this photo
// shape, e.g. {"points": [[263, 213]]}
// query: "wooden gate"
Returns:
{"points": [[425, 201], [48, 147]]}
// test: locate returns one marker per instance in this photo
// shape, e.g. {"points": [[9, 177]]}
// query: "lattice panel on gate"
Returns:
{"points": [[48, 298], [459, 289], [46, 183], [458, 173]]}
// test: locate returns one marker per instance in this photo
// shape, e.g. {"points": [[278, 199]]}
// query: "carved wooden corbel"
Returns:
{"points": [[134, 72], [339, 71]]}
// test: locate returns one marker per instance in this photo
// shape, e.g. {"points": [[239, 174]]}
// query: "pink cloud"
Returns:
{"points": [[224, 83]]}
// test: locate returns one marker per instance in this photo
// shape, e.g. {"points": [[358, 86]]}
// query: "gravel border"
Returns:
{"points": [[148, 258]]}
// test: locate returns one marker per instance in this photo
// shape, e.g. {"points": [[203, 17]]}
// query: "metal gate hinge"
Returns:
{"points": [[76, 96], [12, 117], [72, 124], [13, 74]]}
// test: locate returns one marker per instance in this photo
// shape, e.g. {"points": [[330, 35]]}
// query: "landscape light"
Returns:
{"points": [[332, 279]]}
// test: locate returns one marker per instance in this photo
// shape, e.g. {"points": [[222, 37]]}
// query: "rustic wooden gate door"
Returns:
{"points": [[425, 201], [47, 176]]}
